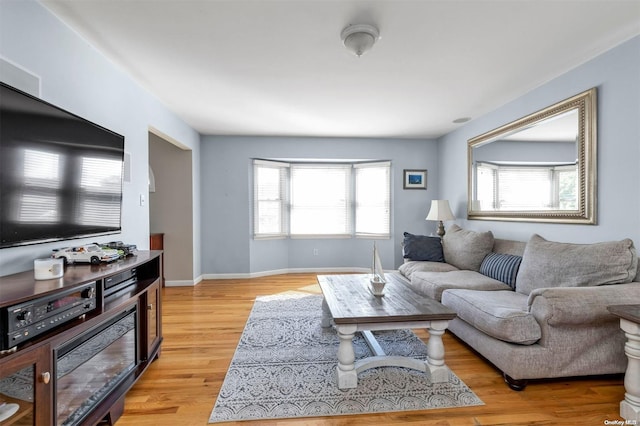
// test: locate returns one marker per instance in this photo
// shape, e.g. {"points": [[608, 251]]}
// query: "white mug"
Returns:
{"points": [[47, 269]]}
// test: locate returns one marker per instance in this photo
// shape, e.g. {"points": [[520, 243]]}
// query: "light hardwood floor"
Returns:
{"points": [[202, 325]]}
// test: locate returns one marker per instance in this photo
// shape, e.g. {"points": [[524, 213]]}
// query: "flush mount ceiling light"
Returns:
{"points": [[359, 38]]}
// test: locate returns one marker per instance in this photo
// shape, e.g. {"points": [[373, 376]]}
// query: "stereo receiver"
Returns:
{"points": [[24, 321]]}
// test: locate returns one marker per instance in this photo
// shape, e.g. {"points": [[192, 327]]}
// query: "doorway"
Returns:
{"points": [[171, 206]]}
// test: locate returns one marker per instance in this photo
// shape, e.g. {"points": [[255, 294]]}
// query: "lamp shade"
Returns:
{"points": [[440, 210]]}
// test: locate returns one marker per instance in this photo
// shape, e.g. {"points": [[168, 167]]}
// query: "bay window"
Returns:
{"points": [[526, 186], [319, 199]]}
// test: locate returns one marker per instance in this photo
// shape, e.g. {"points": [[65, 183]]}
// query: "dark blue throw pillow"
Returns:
{"points": [[421, 247], [501, 267]]}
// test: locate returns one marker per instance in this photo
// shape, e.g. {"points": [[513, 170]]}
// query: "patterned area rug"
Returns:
{"points": [[285, 366]]}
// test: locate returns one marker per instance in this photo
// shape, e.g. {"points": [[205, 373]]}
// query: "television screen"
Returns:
{"points": [[60, 175]]}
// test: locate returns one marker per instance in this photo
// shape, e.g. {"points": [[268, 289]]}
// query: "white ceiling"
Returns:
{"points": [[268, 67]]}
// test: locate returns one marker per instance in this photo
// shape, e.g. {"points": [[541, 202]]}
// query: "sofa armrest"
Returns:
{"points": [[580, 305]]}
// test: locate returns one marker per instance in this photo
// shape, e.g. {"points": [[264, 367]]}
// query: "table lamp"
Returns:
{"points": [[440, 211]]}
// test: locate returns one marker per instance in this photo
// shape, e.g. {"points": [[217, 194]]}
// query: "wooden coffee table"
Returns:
{"points": [[351, 306]]}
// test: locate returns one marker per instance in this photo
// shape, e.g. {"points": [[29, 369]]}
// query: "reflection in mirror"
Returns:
{"points": [[538, 168], [530, 169]]}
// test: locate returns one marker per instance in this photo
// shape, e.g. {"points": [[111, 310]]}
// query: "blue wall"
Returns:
{"points": [[76, 77], [228, 246], [616, 75]]}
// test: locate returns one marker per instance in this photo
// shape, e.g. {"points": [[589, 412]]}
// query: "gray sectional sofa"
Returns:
{"points": [[536, 309]]}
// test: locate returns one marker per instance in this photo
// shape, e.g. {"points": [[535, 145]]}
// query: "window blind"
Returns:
{"points": [[486, 189], [567, 181], [373, 199], [270, 198], [524, 188], [320, 199]]}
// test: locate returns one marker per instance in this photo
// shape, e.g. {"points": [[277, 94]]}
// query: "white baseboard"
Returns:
{"points": [[249, 275], [179, 283], [182, 283], [283, 271]]}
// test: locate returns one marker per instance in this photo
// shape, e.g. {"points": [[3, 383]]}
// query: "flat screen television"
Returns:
{"points": [[60, 175]]}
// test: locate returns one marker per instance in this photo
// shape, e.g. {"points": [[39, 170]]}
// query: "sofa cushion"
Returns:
{"points": [[421, 247], [432, 284], [502, 267], [409, 267], [466, 249], [509, 246], [552, 264], [500, 314]]}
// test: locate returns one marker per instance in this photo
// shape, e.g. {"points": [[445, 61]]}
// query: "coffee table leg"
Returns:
{"points": [[435, 351], [326, 314], [630, 406], [347, 374]]}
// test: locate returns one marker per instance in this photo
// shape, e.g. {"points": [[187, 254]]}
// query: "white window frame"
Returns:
{"points": [[367, 201], [281, 199]]}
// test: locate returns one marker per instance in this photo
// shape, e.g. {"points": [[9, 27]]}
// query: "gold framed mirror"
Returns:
{"points": [[539, 168]]}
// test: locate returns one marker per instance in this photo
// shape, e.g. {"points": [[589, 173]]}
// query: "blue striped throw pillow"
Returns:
{"points": [[501, 267]]}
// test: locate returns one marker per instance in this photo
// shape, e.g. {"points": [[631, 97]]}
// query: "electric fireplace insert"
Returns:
{"points": [[90, 366]]}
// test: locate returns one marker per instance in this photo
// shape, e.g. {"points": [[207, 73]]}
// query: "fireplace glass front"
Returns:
{"points": [[17, 397], [93, 364]]}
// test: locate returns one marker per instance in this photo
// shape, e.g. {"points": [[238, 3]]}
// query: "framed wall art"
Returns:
{"points": [[415, 179]]}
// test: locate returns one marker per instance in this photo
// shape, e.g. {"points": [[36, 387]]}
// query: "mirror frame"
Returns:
{"points": [[586, 105]]}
